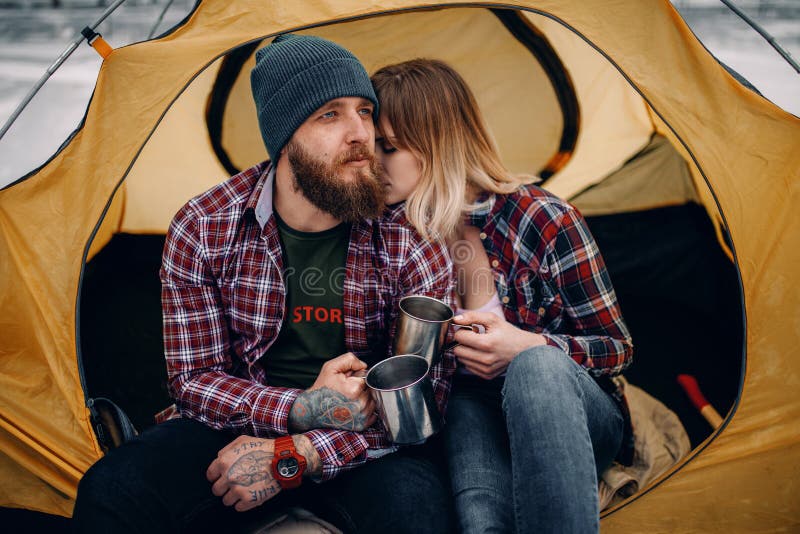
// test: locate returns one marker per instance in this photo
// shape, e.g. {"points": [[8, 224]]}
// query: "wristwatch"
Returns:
{"points": [[288, 465]]}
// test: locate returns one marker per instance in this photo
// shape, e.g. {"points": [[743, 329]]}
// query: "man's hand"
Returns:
{"points": [[488, 355], [338, 398], [242, 471]]}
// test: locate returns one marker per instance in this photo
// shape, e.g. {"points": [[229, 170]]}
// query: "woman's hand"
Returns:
{"points": [[488, 355]]}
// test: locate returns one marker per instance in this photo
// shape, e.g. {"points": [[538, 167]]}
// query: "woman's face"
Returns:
{"points": [[402, 168]]}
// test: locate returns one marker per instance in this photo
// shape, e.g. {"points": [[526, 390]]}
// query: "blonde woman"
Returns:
{"points": [[533, 416]]}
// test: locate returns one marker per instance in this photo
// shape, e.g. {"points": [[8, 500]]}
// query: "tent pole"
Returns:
{"points": [[160, 18], [54, 67], [770, 39]]}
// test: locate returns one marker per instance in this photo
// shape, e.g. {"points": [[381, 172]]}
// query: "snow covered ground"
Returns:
{"points": [[32, 38]]}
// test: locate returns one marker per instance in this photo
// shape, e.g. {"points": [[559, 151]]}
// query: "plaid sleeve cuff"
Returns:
{"points": [[557, 342], [339, 450], [271, 411], [600, 355]]}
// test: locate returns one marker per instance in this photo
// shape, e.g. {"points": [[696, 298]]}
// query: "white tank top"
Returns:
{"points": [[493, 305]]}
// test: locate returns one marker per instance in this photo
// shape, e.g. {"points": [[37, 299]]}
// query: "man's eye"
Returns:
{"points": [[328, 115], [365, 111]]}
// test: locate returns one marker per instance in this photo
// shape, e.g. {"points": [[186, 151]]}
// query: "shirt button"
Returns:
{"points": [[505, 300], [340, 456], [495, 263], [482, 235]]}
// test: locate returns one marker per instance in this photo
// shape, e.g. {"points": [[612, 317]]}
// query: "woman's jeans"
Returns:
{"points": [[524, 452], [157, 483]]}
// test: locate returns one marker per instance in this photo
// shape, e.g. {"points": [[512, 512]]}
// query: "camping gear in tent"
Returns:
{"points": [[687, 179], [692, 389]]}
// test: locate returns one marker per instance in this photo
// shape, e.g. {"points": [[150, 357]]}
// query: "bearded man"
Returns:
{"points": [[279, 287]]}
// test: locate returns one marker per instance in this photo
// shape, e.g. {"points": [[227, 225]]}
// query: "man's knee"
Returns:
{"points": [[111, 478], [93, 487], [107, 494]]}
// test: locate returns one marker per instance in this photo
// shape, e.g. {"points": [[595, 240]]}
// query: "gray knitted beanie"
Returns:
{"points": [[296, 74]]}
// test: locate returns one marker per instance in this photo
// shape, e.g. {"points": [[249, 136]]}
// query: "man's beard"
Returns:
{"points": [[324, 185]]}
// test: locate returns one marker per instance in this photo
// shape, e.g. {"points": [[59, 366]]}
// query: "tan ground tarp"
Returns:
{"points": [[747, 478]]}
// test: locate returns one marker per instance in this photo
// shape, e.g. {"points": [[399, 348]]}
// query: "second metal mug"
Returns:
{"points": [[403, 393], [422, 327]]}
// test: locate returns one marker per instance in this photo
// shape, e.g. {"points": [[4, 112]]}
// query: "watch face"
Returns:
{"points": [[288, 467]]}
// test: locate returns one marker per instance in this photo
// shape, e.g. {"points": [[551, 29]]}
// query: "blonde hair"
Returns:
{"points": [[435, 116]]}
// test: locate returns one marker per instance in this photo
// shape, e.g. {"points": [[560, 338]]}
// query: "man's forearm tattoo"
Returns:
{"points": [[252, 467], [307, 450], [325, 408]]}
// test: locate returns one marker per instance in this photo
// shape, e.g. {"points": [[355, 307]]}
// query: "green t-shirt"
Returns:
{"points": [[313, 326]]}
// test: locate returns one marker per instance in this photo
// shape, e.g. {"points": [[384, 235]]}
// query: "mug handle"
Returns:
{"points": [[475, 327]]}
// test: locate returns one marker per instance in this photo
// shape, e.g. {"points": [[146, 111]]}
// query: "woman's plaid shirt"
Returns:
{"points": [[551, 277], [223, 302], [552, 280]]}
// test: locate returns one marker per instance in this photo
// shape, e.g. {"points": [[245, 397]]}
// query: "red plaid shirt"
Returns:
{"points": [[223, 301], [551, 277], [552, 280]]}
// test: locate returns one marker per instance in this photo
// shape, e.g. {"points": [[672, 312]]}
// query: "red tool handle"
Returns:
{"points": [[692, 389]]}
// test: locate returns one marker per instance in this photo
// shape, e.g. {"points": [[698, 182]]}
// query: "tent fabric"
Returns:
{"points": [[653, 178], [528, 133], [636, 68]]}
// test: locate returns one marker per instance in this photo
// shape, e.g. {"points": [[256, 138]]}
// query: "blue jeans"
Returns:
{"points": [[156, 483], [524, 452]]}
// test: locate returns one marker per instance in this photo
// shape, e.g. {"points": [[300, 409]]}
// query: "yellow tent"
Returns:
{"points": [[574, 89]]}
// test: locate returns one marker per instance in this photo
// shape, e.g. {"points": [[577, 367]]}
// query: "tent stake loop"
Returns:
{"points": [[97, 42]]}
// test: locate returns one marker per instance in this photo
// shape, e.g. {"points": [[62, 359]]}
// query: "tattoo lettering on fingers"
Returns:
{"points": [[262, 494], [246, 446], [251, 468], [325, 408]]}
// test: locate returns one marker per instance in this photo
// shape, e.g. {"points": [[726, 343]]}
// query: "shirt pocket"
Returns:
{"points": [[538, 299], [254, 302]]}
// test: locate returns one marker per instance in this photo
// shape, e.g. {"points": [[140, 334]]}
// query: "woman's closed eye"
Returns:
{"points": [[384, 145]]}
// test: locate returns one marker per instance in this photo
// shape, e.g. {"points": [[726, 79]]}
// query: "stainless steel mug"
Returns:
{"points": [[422, 327], [403, 393]]}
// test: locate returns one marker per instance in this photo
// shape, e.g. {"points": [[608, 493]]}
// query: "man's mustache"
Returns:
{"points": [[356, 153]]}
